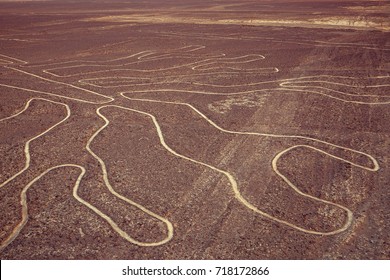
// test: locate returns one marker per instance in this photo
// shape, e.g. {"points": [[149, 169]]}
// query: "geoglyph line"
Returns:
{"points": [[197, 65], [27, 145], [13, 60], [289, 84], [144, 56], [127, 200], [319, 79], [24, 219], [208, 64], [234, 183], [287, 90], [50, 94], [297, 41], [285, 85], [109, 220], [147, 55], [161, 80], [109, 99], [198, 112], [23, 202]]}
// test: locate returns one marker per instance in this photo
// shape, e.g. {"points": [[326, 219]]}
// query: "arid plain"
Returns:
{"points": [[195, 129]]}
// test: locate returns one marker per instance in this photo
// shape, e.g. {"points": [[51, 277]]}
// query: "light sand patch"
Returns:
{"points": [[249, 101], [342, 22], [384, 8]]}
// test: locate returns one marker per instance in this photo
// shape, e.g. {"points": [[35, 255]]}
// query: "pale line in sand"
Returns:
{"points": [[134, 78], [63, 83], [376, 165], [13, 58], [24, 109], [15, 39], [232, 180], [288, 90], [5, 61], [284, 86], [291, 84], [145, 56], [194, 65], [27, 164], [230, 60], [240, 37], [139, 55], [53, 94], [87, 61], [114, 226], [48, 71], [292, 80], [112, 191], [230, 177], [340, 99], [27, 145], [23, 201]]}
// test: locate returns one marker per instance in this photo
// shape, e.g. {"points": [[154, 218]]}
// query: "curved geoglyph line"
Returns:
{"points": [[286, 87], [24, 219], [143, 56], [296, 86], [197, 65], [127, 200], [27, 145], [108, 219], [49, 71], [234, 183], [23, 202], [290, 85], [320, 79], [198, 112]]}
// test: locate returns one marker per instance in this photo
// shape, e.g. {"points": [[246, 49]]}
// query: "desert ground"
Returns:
{"points": [[195, 129]]}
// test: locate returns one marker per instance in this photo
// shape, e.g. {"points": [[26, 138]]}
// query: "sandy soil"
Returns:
{"points": [[190, 130]]}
